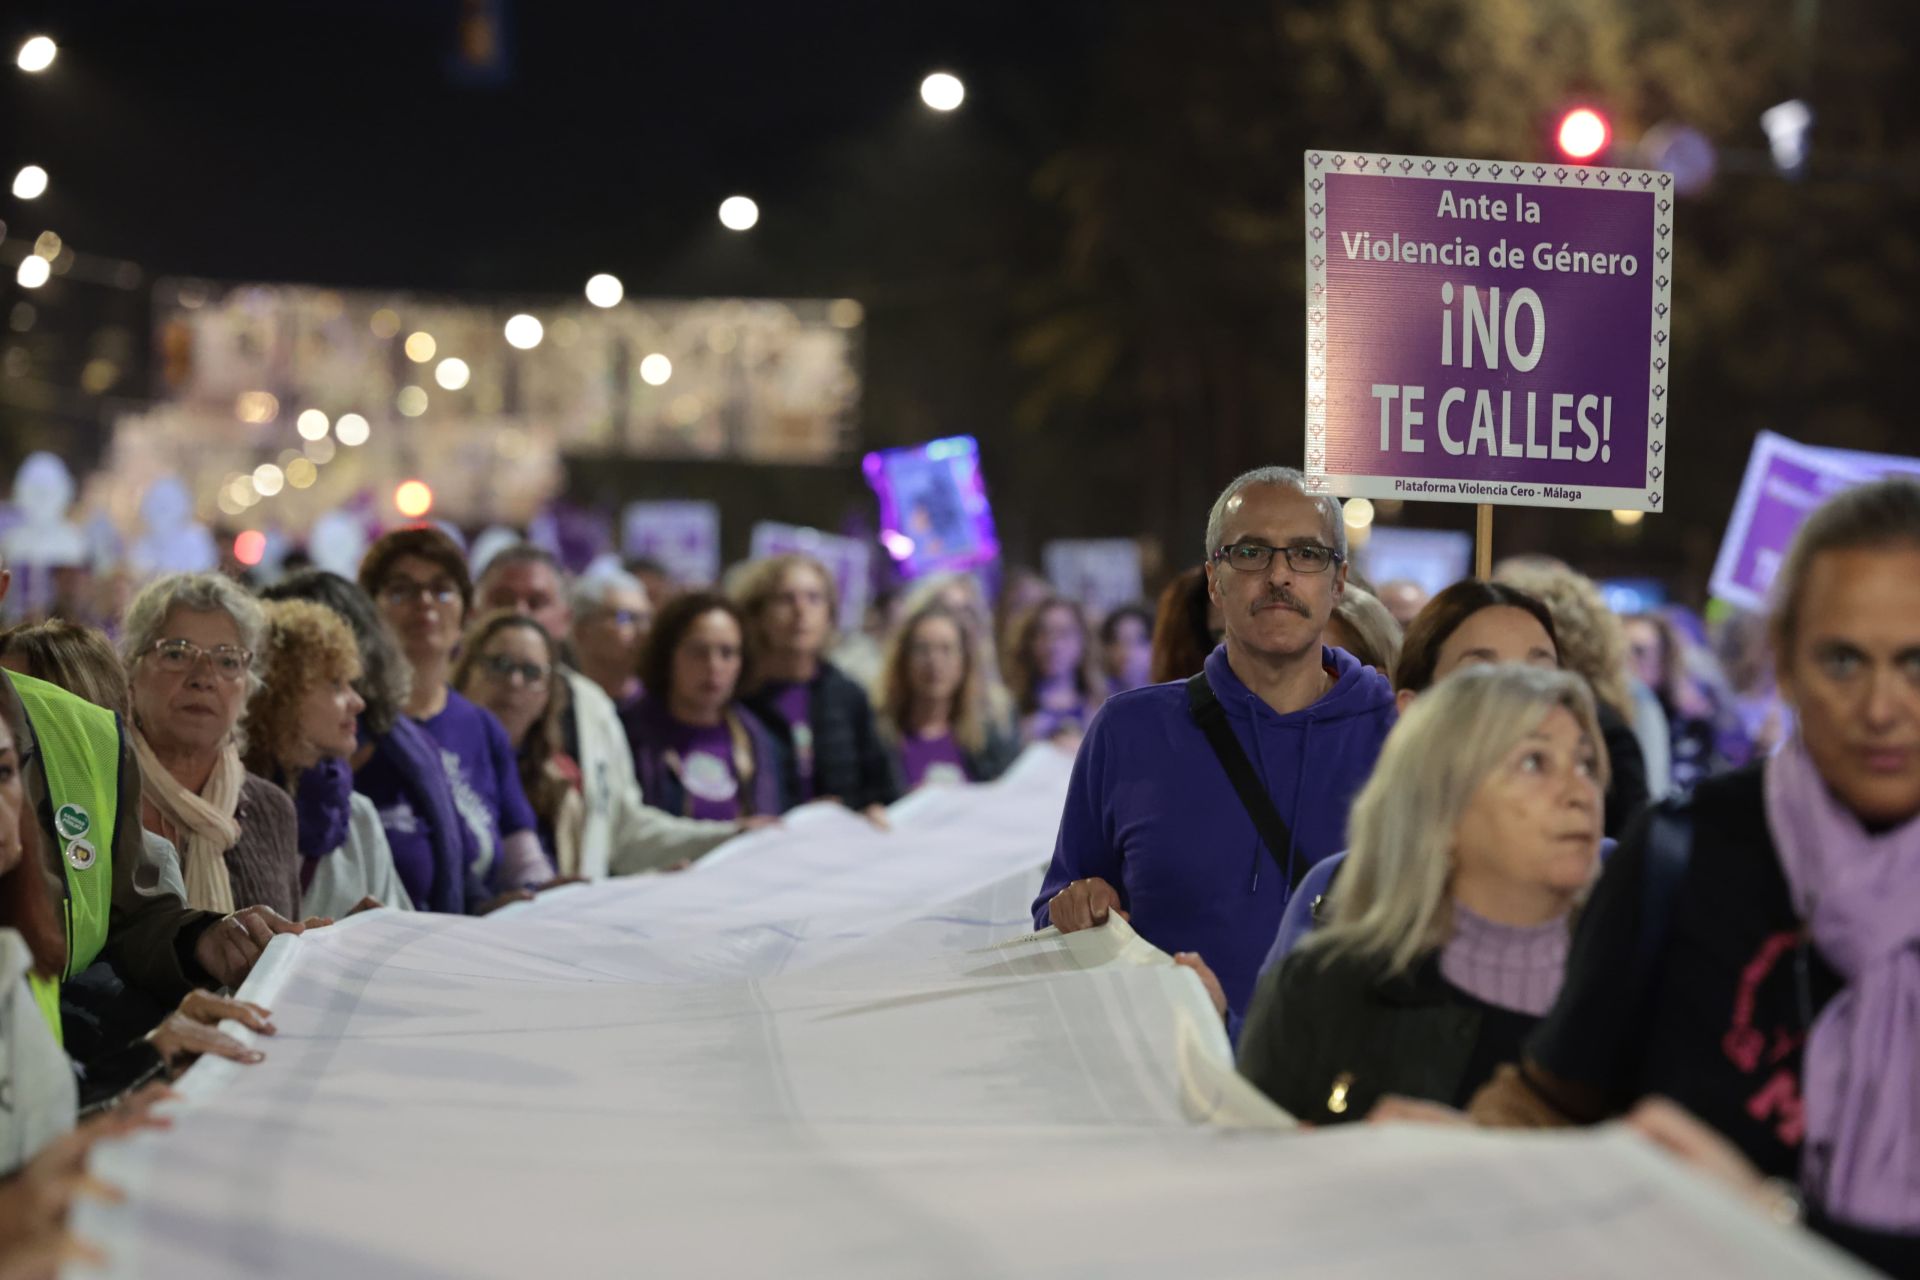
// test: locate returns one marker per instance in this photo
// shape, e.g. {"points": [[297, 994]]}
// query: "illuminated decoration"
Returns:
{"points": [[1629, 518], [739, 213], [655, 370], [420, 347], [524, 332], [1358, 513], [312, 424], [605, 291], [452, 373], [412, 401], [256, 407], [268, 479], [34, 271], [934, 513], [30, 183], [301, 473], [942, 91], [352, 430], [1583, 134], [36, 55], [413, 499], [250, 547], [385, 323]]}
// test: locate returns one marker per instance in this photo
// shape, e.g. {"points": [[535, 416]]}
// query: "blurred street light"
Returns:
{"points": [[655, 370], [37, 54], [604, 290], [524, 331], [942, 91], [1583, 134], [738, 213], [33, 272], [30, 183]]}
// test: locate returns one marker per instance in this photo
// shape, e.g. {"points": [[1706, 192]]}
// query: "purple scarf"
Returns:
{"points": [[424, 773], [1515, 967], [1860, 897], [323, 801]]}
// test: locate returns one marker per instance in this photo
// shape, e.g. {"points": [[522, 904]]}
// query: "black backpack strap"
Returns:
{"points": [[1273, 829], [1669, 847]]}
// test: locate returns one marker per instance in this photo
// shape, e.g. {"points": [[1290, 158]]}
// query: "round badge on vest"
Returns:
{"points": [[80, 853], [707, 776], [71, 821]]}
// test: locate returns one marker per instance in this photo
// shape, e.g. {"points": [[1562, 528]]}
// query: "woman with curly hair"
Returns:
{"points": [[510, 666], [304, 727], [1593, 646]]}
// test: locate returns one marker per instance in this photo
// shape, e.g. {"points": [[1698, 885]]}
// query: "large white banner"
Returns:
{"points": [[831, 1051]]}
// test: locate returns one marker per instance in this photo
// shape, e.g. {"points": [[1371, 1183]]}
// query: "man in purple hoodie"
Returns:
{"points": [[1153, 827]]}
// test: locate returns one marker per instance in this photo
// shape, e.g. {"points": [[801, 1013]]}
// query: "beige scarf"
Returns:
{"points": [[204, 823]]}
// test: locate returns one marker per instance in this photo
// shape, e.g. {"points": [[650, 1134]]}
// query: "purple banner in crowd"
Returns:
{"points": [[1484, 331], [1784, 482]]}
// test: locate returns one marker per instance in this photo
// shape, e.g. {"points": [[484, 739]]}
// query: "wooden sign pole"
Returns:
{"points": [[1483, 541]]}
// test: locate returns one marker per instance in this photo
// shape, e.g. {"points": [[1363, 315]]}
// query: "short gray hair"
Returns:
{"points": [[590, 589], [1290, 478], [200, 593], [1391, 902]]}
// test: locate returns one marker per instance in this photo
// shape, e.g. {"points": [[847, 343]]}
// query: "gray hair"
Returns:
{"points": [[1376, 635], [590, 590], [521, 553], [199, 593], [1290, 478], [1391, 901]]}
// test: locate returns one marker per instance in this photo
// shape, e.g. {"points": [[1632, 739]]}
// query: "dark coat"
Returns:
{"points": [[1327, 1041], [850, 762]]}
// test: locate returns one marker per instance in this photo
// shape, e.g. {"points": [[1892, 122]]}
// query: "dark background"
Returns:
{"points": [[1094, 265]]}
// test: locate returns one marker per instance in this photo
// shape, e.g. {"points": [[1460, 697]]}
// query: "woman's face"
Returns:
{"points": [[13, 801], [936, 660], [1498, 633], [330, 717], [1534, 824], [421, 602], [1058, 644], [190, 686], [1853, 675], [512, 677], [1129, 655], [1645, 647], [706, 666]]}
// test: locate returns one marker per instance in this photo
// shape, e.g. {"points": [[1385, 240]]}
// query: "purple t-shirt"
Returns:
{"points": [[794, 702], [1043, 725], [932, 760], [484, 773], [701, 757]]}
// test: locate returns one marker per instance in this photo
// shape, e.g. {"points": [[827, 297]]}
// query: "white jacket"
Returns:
{"points": [[621, 834], [360, 868], [38, 1097]]}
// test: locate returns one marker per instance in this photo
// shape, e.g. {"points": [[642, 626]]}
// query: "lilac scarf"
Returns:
{"points": [[1860, 896]]}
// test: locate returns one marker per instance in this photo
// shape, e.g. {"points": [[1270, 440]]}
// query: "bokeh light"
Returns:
{"points": [[738, 213], [942, 91], [352, 430], [655, 370], [413, 499], [524, 331]]}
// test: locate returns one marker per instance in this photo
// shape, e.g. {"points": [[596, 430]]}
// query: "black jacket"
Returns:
{"points": [[850, 762], [1327, 1041], [1627, 793]]}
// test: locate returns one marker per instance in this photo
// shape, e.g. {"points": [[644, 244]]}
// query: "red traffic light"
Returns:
{"points": [[1583, 134]]}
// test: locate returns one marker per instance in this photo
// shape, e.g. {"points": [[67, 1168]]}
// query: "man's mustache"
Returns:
{"points": [[1284, 598]]}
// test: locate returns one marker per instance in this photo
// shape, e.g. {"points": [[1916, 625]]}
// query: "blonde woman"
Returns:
{"points": [[1593, 645], [932, 703], [1053, 671], [1473, 841], [1362, 626]]}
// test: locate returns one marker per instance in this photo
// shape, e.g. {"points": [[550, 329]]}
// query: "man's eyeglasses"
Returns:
{"points": [[504, 669], [1257, 557], [229, 662], [400, 591]]}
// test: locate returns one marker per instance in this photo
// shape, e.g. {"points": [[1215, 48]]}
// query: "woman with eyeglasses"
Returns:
{"points": [[507, 665], [419, 578], [189, 641], [1053, 669], [700, 753]]}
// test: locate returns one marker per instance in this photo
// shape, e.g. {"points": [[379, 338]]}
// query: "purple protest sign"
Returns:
{"points": [[1485, 331], [682, 535], [1784, 482]]}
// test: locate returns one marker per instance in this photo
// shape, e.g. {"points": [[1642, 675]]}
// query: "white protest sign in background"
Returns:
{"points": [[683, 536], [849, 560], [1100, 573]]}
